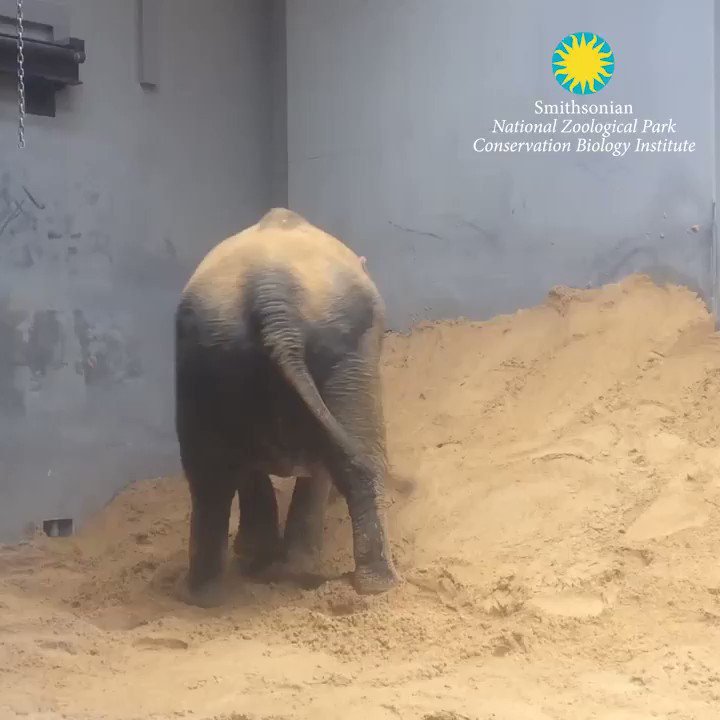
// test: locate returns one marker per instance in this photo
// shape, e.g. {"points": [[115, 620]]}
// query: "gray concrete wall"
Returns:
{"points": [[364, 122], [102, 217], [385, 99]]}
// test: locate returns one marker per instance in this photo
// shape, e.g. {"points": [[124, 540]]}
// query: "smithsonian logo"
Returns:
{"points": [[583, 63]]}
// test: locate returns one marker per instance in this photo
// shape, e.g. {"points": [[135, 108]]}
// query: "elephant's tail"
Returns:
{"points": [[280, 326], [297, 374]]}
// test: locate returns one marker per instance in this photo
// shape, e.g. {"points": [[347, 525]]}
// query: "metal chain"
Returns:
{"points": [[21, 75]]}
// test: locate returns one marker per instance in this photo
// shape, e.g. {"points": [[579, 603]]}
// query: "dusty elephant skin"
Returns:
{"points": [[278, 340]]}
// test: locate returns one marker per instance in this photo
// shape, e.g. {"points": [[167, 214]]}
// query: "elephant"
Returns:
{"points": [[278, 336]]}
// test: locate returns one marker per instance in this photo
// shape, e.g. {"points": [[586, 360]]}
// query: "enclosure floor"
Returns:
{"points": [[554, 511]]}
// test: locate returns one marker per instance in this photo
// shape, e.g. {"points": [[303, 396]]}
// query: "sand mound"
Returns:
{"points": [[555, 515]]}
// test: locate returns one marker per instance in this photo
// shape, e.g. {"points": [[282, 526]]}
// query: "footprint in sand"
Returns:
{"points": [[569, 605], [59, 645], [671, 513]]}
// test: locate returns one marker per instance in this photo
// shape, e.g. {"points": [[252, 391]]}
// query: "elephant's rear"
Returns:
{"points": [[281, 304], [253, 376]]}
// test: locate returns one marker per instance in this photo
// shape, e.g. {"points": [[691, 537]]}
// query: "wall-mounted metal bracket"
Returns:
{"points": [[50, 63]]}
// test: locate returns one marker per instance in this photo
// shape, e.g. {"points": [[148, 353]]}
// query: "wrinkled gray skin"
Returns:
{"points": [[264, 386]]}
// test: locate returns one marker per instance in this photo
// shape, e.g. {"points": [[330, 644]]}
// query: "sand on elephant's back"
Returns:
{"points": [[553, 509]]}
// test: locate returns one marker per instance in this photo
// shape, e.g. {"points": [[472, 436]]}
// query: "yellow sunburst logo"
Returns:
{"points": [[583, 63]]}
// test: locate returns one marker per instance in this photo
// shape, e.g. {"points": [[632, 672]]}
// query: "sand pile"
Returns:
{"points": [[560, 540]]}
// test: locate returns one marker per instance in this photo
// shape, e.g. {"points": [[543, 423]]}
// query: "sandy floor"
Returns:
{"points": [[560, 547]]}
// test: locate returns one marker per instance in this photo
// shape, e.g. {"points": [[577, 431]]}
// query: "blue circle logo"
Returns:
{"points": [[583, 63]]}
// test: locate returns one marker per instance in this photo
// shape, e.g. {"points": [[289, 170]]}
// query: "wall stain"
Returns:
{"points": [[33, 233], [422, 233], [12, 354], [45, 348], [13, 215], [170, 248], [39, 241], [33, 200], [106, 356], [26, 261]]}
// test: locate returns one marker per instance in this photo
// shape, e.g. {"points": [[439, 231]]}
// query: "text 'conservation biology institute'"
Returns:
{"points": [[585, 128]]}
